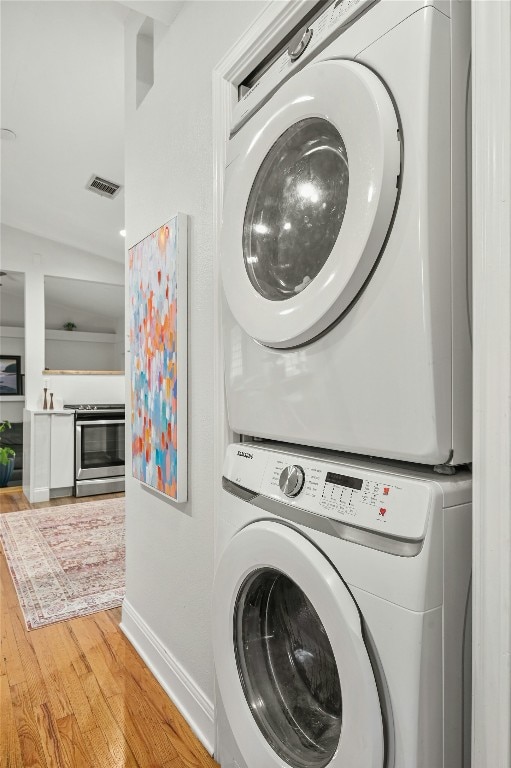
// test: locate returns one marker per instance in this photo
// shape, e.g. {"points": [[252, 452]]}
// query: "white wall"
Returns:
{"points": [[36, 257], [22, 251], [57, 314], [11, 410], [169, 169], [11, 309], [94, 388], [119, 347], [12, 342], [71, 355]]}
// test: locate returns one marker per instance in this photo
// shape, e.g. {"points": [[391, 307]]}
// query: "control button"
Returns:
{"points": [[386, 491], [382, 511], [299, 43], [291, 480]]}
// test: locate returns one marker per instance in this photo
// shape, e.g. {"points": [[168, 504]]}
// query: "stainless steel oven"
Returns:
{"points": [[99, 448]]}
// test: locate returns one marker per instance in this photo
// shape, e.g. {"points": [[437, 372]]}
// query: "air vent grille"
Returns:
{"points": [[103, 187]]}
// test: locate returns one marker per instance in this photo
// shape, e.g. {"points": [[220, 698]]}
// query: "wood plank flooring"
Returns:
{"points": [[77, 695]]}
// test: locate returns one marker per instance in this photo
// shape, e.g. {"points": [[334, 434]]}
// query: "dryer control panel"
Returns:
{"points": [[310, 39], [361, 497]]}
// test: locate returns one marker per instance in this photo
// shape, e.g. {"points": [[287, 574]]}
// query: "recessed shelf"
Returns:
{"points": [[74, 336], [82, 373]]}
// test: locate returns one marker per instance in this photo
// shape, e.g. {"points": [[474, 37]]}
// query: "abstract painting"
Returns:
{"points": [[158, 344]]}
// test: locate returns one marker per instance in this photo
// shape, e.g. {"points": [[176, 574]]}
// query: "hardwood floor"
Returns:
{"points": [[77, 695]]}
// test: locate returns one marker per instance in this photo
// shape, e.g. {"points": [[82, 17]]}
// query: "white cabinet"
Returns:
{"points": [[39, 454], [62, 448], [48, 454]]}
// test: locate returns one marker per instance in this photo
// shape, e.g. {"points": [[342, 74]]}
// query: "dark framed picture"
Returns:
{"points": [[10, 375]]}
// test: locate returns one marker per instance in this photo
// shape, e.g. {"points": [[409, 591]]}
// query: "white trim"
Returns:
{"points": [[491, 719], [222, 106], [162, 12], [40, 494], [191, 701], [275, 20], [271, 24]]}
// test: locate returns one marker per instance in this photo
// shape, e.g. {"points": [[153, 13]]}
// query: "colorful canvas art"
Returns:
{"points": [[158, 296]]}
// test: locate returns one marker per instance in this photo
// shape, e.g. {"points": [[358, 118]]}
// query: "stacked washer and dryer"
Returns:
{"points": [[343, 540]]}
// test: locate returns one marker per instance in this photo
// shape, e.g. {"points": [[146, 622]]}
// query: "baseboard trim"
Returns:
{"points": [[178, 685], [59, 493], [39, 494]]}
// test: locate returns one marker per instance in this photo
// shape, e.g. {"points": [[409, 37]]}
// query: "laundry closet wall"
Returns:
{"points": [[169, 168]]}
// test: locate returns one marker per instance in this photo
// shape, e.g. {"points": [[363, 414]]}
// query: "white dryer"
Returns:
{"points": [[344, 247], [340, 606]]}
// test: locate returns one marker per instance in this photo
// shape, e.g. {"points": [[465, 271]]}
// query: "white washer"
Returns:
{"points": [[344, 247], [339, 613]]}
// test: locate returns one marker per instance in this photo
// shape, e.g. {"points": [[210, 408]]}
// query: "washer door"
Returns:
{"points": [[292, 667], [309, 201]]}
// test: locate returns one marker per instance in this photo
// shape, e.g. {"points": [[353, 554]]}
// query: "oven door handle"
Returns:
{"points": [[100, 423]]}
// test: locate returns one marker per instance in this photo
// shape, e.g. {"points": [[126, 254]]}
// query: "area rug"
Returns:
{"points": [[66, 561]]}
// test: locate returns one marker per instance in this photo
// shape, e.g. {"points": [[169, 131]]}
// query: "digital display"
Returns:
{"points": [[347, 482]]}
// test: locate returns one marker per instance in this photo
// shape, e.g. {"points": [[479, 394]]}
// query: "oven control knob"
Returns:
{"points": [[291, 480]]}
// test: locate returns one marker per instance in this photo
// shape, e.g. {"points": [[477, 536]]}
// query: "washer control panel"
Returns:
{"points": [[361, 497]]}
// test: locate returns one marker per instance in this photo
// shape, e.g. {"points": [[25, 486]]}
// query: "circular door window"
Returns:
{"points": [[310, 189], [293, 670], [295, 209], [287, 669]]}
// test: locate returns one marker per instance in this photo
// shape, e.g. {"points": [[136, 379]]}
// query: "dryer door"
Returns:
{"points": [[293, 670], [308, 202]]}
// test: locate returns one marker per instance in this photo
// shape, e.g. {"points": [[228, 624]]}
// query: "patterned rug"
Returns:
{"points": [[66, 561]]}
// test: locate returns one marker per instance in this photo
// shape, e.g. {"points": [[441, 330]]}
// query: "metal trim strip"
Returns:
{"points": [[105, 485], [98, 422]]}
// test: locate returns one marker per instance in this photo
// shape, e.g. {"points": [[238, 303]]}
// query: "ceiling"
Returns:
{"points": [[13, 282], [62, 93]]}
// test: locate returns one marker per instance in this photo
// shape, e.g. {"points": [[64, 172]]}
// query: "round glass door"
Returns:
{"points": [[311, 184], [295, 209], [287, 669]]}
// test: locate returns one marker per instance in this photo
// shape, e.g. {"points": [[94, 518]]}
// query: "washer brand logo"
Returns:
{"points": [[245, 455]]}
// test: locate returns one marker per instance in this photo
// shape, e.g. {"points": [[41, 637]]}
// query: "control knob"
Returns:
{"points": [[299, 43], [291, 480]]}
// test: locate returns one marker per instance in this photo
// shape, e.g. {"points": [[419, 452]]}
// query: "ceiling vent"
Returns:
{"points": [[103, 187]]}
